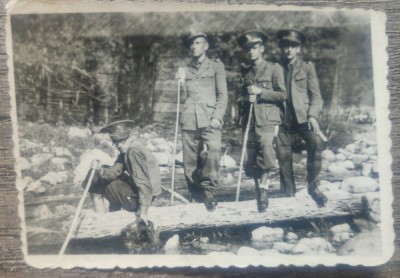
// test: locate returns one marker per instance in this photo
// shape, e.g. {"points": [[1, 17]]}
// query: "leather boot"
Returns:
{"points": [[262, 193], [209, 201], [317, 195]]}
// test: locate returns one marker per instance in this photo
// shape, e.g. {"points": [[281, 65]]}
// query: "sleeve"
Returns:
{"points": [[313, 92], [110, 173], [221, 91], [278, 92], [139, 171]]}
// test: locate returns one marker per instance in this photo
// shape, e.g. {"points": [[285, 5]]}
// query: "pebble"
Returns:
{"points": [[42, 212], [341, 233], [38, 159], [247, 251], [172, 245], [283, 247], [328, 155], [291, 237], [267, 234], [59, 163], [60, 152], [54, 178]]}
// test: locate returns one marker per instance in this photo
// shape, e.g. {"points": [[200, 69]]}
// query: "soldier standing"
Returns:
{"points": [[264, 86], [303, 106], [204, 84]]}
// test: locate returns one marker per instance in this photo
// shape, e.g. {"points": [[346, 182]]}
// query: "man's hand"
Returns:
{"points": [[313, 125], [180, 75], [215, 123], [95, 164], [254, 91]]}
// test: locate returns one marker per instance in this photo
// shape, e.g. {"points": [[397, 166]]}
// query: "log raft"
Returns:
{"points": [[228, 214]]}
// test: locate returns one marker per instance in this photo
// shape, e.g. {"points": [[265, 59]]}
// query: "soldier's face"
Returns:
{"points": [[255, 52], [290, 51], [198, 47], [121, 145]]}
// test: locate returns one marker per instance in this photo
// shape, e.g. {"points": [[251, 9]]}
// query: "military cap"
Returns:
{"points": [[195, 35], [251, 38], [119, 130], [291, 36]]}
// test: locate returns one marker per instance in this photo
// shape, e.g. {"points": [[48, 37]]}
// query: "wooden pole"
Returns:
{"points": [[246, 136], [77, 212], [175, 140]]}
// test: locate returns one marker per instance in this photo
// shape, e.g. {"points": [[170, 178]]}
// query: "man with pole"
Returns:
{"points": [[264, 92], [303, 106], [204, 85], [134, 180]]}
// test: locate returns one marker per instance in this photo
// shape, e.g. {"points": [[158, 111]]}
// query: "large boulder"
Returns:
{"points": [[341, 233], [359, 185], [367, 243], [313, 246], [85, 159]]}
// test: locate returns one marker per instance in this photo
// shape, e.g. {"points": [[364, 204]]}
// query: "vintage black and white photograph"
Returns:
{"points": [[167, 135]]}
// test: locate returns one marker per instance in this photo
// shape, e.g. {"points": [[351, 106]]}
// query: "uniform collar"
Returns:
{"points": [[199, 66]]}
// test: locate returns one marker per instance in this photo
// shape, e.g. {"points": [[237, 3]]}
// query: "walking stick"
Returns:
{"points": [[176, 137], [77, 212], [246, 135]]}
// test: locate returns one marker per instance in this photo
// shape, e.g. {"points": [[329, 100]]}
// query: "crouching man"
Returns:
{"points": [[133, 181]]}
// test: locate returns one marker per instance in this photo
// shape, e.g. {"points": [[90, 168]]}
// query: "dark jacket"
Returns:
{"points": [[206, 94], [304, 94], [142, 167], [268, 108]]}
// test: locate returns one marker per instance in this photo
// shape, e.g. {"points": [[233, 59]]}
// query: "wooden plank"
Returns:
{"points": [[195, 215]]}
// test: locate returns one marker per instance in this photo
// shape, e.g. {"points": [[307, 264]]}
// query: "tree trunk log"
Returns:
{"points": [[228, 214]]}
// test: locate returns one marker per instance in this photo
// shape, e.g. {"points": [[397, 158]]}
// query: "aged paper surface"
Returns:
{"points": [[64, 57]]}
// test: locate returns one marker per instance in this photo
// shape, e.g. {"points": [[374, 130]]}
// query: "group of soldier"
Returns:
{"points": [[285, 95]]}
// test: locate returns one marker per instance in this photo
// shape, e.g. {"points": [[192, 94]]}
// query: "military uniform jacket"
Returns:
{"points": [[268, 108], [304, 96], [142, 167], [206, 94]]}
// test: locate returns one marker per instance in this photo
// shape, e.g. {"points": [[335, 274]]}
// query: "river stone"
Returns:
{"points": [[341, 233], [338, 168], [80, 133], [328, 155], [372, 201], [313, 246], [61, 152], [178, 159], [247, 251], [367, 169], [172, 245], [367, 243], [227, 162], [358, 159], [42, 212], [54, 178], [291, 237], [283, 247], [40, 158], [264, 237], [369, 150], [151, 147], [353, 148], [24, 163], [59, 163], [340, 157], [35, 186], [359, 185]]}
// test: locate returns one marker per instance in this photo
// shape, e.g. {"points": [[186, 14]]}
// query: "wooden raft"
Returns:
{"points": [[195, 216]]}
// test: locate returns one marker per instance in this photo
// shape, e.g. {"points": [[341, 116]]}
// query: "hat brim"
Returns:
{"points": [[190, 39], [287, 41], [115, 134]]}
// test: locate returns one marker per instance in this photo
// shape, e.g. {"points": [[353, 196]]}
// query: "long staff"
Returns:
{"points": [[77, 212], [246, 137], [176, 138]]}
